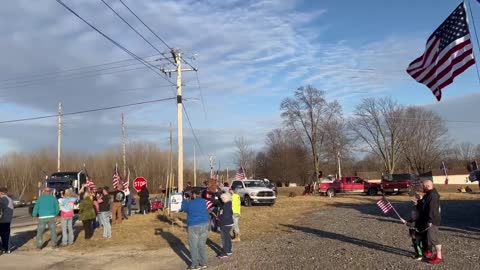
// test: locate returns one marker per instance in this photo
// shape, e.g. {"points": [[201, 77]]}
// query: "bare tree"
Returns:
{"points": [[308, 113], [425, 139], [465, 151], [379, 127], [244, 155]]}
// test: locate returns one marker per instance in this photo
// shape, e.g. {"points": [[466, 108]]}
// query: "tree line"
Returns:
{"points": [[380, 135]]}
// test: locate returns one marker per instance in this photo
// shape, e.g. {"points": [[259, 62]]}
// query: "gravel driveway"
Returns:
{"points": [[358, 236]]}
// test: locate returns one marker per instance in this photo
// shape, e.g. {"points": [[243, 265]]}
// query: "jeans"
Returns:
{"points": [[67, 231], [236, 225], [5, 235], [42, 224], [197, 241], [105, 221], [129, 205], [226, 240]]}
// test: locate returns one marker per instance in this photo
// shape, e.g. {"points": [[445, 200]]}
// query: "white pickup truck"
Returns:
{"points": [[253, 192]]}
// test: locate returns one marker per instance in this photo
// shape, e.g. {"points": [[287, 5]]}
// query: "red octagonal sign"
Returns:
{"points": [[139, 182]]}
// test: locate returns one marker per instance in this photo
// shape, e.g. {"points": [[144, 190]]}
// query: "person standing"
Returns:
{"points": [[197, 224], [225, 221], [236, 204], [6, 215], [144, 200], [118, 196], [432, 219], [104, 212], [87, 214], [67, 203], [46, 209]]}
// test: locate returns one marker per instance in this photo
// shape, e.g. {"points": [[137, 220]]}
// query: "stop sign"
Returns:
{"points": [[139, 182]]}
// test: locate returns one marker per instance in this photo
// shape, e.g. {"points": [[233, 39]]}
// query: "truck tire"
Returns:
{"points": [[372, 191], [330, 192], [247, 201]]}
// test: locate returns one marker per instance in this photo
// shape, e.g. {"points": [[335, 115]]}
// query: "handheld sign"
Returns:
{"points": [[138, 183], [176, 202]]}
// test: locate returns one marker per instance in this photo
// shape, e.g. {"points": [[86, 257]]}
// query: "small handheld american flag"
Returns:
{"points": [[91, 185], [384, 205]]}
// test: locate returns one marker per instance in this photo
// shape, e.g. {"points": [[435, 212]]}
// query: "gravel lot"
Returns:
{"points": [[358, 236]]}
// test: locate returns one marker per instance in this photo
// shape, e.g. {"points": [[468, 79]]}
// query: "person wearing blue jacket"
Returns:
{"points": [[46, 209], [225, 221], [197, 223]]}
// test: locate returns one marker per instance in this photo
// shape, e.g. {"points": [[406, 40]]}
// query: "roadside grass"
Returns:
{"points": [[155, 231]]}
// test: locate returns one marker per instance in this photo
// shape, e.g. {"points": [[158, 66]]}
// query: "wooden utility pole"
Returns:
{"points": [[194, 167], [211, 158], [170, 162], [177, 55], [59, 139], [339, 165], [124, 147], [228, 179]]}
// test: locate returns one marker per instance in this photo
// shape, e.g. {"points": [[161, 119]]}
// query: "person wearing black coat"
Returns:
{"points": [[144, 200], [225, 221]]}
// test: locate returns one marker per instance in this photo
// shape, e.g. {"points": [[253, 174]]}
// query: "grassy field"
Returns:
{"points": [[154, 231]]}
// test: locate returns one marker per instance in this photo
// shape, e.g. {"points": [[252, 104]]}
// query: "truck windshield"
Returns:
{"points": [[254, 184]]}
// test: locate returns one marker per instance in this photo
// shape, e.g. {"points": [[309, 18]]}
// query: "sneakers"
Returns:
{"points": [[435, 260], [193, 268], [427, 254], [417, 257], [203, 266], [229, 254], [222, 256]]}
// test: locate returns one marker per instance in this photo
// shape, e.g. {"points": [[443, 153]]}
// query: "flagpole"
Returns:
{"points": [[395, 210], [469, 10]]}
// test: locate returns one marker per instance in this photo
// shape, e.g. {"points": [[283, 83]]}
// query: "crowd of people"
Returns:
{"points": [[424, 223], [210, 210], [99, 208]]}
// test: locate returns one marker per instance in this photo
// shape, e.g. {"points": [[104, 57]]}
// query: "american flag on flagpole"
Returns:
{"points": [[116, 178], [448, 53], [384, 205], [91, 184], [240, 175], [444, 170]]}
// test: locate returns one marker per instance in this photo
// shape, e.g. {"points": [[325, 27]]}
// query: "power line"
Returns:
{"points": [[193, 132], [427, 120], [135, 30], [114, 42], [153, 32], [77, 75], [201, 94], [72, 69], [87, 111]]}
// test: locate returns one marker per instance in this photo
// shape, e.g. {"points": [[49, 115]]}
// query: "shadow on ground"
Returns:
{"points": [[176, 245], [348, 239], [457, 215]]}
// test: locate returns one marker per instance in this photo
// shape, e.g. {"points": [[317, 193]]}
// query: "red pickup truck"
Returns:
{"points": [[348, 184], [396, 183]]}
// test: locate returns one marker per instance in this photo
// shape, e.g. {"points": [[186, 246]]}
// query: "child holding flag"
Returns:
{"points": [[419, 237]]}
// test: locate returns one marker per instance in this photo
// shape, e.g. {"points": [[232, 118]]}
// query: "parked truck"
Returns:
{"points": [[253, 192], [397, 183], [61, 181], [348, 184]]}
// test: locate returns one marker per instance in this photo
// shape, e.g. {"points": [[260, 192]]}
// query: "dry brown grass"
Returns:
{"points": [[138, 232]]}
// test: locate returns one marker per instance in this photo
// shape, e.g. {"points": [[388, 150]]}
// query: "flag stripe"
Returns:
{"points": [[448, 53]]}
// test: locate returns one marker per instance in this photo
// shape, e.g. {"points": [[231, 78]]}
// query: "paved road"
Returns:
{"points": [[21, 217]]}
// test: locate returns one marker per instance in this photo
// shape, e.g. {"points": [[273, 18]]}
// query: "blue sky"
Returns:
{"points": [[250, 55]]}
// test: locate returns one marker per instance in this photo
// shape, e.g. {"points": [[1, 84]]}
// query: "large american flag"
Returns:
{"points": [[91, 184], [240, 175], [384, 205], [116, 178], [448, 53]]}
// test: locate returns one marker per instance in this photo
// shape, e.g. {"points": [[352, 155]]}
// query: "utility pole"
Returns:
{"points": [[194, 167], [170, 159], [339, 165], [59, 140], [211, 158], [124, 147], [228, 179], [177, 55]]}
